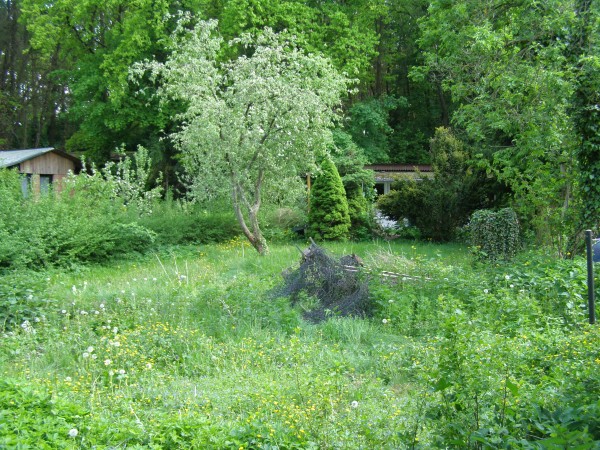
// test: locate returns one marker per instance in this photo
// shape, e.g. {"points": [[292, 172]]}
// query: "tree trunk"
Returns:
{"points": [[253, 234]]}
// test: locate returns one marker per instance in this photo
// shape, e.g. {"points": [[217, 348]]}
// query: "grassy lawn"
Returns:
{"points": [[187, 349]]}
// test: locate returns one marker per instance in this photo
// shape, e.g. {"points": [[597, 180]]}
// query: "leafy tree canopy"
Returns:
{"points": [[251, 125]]}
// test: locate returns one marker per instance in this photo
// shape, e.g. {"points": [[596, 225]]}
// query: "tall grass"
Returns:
{"points": [[183, 348]]}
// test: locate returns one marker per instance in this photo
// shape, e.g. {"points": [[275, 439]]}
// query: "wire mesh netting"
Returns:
{"points": [[339, 287]]}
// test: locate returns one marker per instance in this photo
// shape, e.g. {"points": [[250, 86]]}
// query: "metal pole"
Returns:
{"points": [[590, 277]]}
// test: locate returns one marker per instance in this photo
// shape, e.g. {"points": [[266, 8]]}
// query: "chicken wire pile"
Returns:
{"points": [[338, 285]]}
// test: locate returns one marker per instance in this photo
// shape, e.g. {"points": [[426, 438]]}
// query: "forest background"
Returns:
{"points": [[517, 81]]}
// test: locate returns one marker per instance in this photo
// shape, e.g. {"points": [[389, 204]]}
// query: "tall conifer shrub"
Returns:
{"points": [[328, 217]]}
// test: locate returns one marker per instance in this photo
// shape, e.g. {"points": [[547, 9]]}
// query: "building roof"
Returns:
{"points": [[10, 158], [399, 168]]}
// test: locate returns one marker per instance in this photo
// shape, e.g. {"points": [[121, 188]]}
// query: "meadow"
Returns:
{"points": [[185, 348]]}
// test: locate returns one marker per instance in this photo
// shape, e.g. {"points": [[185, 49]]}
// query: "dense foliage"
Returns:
{"points": [[99, 214], [328, 217], [181, 350], [495, 235], [440, 204], [359, 184], [251, 125], [516, 81]]}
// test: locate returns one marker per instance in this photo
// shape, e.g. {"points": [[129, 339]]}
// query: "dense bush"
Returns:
{"points": [[328, 217], [438, 206], [178, 223], [81, 224], [495, 234], [359, 185]]}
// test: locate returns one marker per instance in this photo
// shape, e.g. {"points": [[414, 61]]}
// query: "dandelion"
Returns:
{"points": [[390, 301], [73, 432], [354, 404], [121, 371], [486, 291], [512, 286], [90, 349], [68, 379], [64, 311], [384, 321], [115, 330], [101, 305], [107, 362], [94, 356], [86, 355], [507, 277], [83, 313], [74, 289], [148, 366]]}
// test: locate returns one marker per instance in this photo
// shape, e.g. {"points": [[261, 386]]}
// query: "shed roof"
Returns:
{"points": [[399, 168], [10, 158]]}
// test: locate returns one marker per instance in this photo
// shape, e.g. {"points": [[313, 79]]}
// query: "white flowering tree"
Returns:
{"points": [[253, 124]]}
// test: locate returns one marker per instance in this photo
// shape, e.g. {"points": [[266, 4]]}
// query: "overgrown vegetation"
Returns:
{"points": [[439, 205], [495, 235], [183, 350], [328, 217], [99, 215]]}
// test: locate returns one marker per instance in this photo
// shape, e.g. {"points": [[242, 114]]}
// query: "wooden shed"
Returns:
{"points": [[41, 167], [386, 174]]}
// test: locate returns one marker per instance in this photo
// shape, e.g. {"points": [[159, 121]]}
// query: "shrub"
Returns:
{"points": [[328, 217], [438, 206], [495, 235], [86, 222], [359, 185], [178, 223]]}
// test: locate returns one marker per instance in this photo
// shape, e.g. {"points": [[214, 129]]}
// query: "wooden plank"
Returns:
{"points": [[48, 164]]}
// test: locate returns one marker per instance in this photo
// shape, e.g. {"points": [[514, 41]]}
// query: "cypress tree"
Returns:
{"points": [[328, 217]]}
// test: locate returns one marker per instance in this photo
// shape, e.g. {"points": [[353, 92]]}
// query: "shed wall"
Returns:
{"points": [[48, 164]]}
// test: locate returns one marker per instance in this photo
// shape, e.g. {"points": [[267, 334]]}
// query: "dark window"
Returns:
{"points": [[45, 182], [26, 184]]}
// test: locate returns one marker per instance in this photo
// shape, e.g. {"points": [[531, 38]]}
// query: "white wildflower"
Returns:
{"points": [[73, 432], [354, 404]]}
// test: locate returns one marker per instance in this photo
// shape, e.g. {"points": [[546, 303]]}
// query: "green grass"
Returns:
{"points": [[185, 349]]}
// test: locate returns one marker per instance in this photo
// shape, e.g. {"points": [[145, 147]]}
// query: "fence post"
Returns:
{"points": [[590, 277]]}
